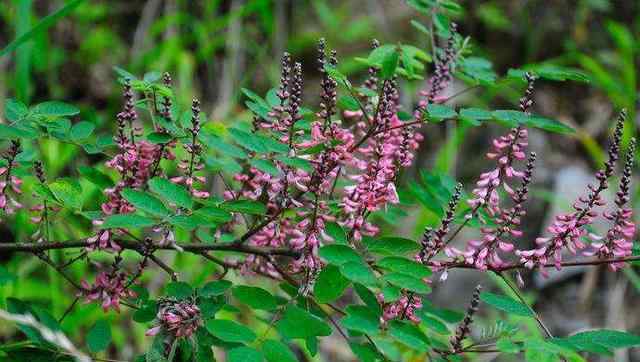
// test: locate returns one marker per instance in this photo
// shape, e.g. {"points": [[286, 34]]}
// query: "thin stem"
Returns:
{"points": [[516, 291]]}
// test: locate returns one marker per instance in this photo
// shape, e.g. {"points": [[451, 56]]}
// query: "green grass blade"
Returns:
{"points": [[42, 25]]}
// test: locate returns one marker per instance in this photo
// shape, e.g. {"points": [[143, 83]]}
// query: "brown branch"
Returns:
{"points": [[133, 245]]}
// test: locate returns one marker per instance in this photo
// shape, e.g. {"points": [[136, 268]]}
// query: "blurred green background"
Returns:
{"points": [[214, 48]]}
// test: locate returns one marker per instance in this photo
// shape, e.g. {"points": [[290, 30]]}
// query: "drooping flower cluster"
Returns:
{"points": [[178, 318], [485, 252], [403, 308], [618, 242], [110, 288], [506, 150], [10, 183], [568, 229]]}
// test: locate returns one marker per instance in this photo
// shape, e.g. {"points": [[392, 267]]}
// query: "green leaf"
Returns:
{"points": [[336, 232], [389, 64], [188, 222], [5, 276], [509, 118], [81, 130], [358, 272], [248, 140], [334, 73], [41, 26], [505, 345], [230, 331], [256, 298], [439, 112], [348, 102], [474, 115], [55, 109], [218, 145], [175, 194], [607, 338], [96, 177], [330, 284], [68, 192], [245, 207], [405, 266], [506, 304], [409, 335], [367, 296], [126, 221], [361, 319], [276, 351], [391, 246], [244, 354], [145, 202], [265, 166], [13, 132], [159, 138], [146, 313], [214, 214], [547, 124], [407, 282], [179, 290], [296, 162], [99, 336], [339, 254], [215, 288], [14, 110], [298, 323]]}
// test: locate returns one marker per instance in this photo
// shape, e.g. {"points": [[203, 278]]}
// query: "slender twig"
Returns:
{"points": [[44, 257], [165, 267], [516, 291], [69, 309], [133, 245]]}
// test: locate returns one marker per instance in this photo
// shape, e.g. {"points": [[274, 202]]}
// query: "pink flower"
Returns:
{"points": [[618, 242], [403, 308], [108, 288], [10, 185], [568, 229], [178, 318]]}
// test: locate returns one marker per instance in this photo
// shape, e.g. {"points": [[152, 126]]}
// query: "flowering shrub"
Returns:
{"points": [[299, 197]]}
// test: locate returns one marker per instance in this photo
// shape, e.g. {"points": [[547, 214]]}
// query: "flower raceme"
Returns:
{"points": [[568, 229]]}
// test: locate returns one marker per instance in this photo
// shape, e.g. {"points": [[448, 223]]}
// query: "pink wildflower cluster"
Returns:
{"points": [[506, 150], [110, 288], [403, 308], [568, 229], [618, 241], [178, 318], [136, 163], [9, 181], [377, 165], [485, 252]]}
